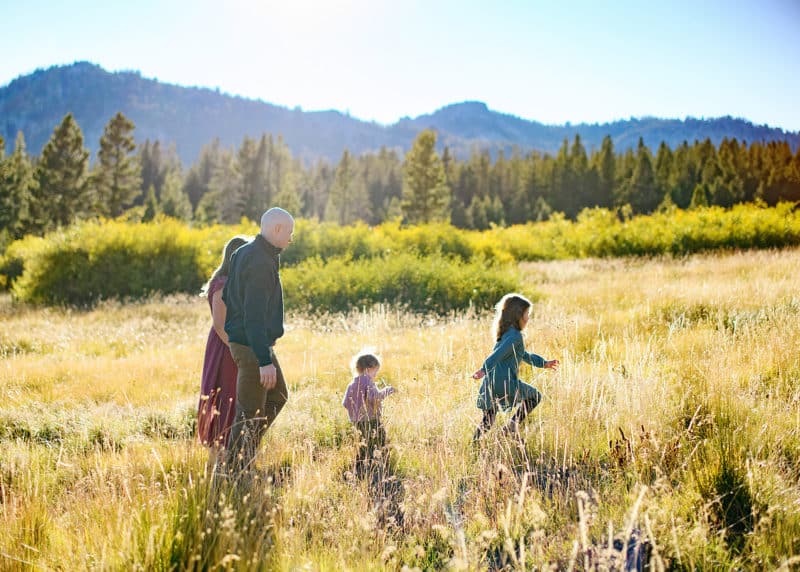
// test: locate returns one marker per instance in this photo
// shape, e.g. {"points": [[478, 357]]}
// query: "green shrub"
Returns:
{"points": [[12, 263], [96, 261], [427, 267], [419, 283], [602, 233], [328, 240]]}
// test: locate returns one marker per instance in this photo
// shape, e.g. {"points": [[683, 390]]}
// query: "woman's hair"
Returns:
{"points": [[364, 360], [509, 313], [225, 266]]}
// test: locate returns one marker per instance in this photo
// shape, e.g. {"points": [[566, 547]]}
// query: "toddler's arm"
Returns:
{"points": [[375, 395]]}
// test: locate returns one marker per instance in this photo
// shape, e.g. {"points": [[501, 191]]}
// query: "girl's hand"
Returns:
{"points": [[478, 374], [552, 364]]}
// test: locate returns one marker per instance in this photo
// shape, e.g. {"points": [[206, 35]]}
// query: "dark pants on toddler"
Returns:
{"points": [[373, 439]]}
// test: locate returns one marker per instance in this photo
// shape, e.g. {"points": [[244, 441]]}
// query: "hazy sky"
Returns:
{"points": [[550, 61]]}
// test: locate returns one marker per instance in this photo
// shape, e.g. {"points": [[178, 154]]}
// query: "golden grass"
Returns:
{"points": [[695, 361]]}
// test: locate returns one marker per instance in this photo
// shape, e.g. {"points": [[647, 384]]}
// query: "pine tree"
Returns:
{"points": [[251, 158], [707, 167], [460, 183], [605, 163], [317, 189], [791, 190], [783, 180], [277, 161], [640, 190], [17, 184], [426, 196], [699, 196], [288, 198], [476, 214], [753, 170], [495, 212], [541, 210], [519, 206], [663, 171], [684, 176], [174, 201], [383, 181], [155, 164], [198, 179], [347, 199], [562, 182], [117, 178], [150, 205], [581, 191], [225, 189], [63, 194], [727, 188], [500, 182]]}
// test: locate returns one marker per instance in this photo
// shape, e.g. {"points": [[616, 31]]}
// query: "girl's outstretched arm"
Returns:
{"points": [[533, 359], [528, 357]]}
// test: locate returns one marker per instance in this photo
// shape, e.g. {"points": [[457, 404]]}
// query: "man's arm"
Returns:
{"points": [[256, 283]]}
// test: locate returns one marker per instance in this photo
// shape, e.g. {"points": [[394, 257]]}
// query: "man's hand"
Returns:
{"points": [[269, 376]]}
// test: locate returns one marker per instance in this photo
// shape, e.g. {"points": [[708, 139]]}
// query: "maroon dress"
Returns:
{"points": [[217, 406]]}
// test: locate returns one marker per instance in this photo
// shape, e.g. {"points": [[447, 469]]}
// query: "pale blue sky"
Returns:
{"points": [[577, 61]]}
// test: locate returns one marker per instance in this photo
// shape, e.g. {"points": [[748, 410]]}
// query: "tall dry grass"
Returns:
{"points": [[674, 419]]}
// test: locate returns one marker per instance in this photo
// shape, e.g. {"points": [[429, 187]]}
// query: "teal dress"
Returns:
{"points": [[501, 385]]}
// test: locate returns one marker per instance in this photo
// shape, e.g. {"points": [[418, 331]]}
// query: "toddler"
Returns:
{"points": [[362, 399]]}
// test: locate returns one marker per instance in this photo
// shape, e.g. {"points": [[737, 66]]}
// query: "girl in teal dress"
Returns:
{"points": [[501, 387]]}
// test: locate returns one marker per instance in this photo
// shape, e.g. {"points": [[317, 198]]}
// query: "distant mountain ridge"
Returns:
{"points": [[192, 117]]}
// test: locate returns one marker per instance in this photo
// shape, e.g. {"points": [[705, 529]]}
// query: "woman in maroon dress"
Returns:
{"points": [[217, 405]]}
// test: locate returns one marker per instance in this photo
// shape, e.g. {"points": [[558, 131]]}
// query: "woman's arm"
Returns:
{"points": [[218, 313]]}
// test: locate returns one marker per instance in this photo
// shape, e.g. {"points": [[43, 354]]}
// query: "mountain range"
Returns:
{"points": [[191, 117]]}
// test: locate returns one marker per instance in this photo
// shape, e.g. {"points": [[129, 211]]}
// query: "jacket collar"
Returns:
{"points": [[268, 247]]}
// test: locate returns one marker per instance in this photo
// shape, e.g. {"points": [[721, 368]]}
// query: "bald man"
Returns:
{"points": [[253, 296]]}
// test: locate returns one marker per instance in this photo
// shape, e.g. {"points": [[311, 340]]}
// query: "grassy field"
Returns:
{"points": [[674, 419]]}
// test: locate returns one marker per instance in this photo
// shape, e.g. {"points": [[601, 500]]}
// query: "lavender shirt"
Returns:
{"points": [[363, 399]]}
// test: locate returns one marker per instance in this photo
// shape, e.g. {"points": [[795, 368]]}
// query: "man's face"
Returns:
{"points": [[282, 235]]}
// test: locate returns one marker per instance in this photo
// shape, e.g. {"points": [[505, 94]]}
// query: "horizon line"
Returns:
{"points": [[567, 124]]}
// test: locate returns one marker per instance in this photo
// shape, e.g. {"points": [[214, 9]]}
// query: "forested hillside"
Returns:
{"points": [[140, 182], [190, 117]]}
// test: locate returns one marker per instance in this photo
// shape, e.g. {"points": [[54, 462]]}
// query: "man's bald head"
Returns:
{"points": [[277, 227]]}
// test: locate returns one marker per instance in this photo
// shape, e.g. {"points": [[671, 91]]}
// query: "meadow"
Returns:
{"points": [[674, 420]]}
